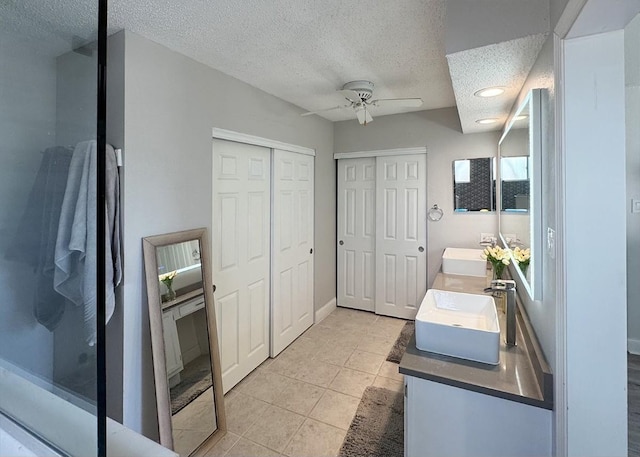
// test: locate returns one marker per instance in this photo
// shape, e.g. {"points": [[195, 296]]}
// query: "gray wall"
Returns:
{"points": [[543, 312], [171, 104], [115, 137], [27, 127], [632, 82], [472, 24], [438, 130], [556, 7]]}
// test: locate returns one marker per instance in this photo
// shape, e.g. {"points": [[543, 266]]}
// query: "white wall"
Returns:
{"points": [[632, 82], [171, 104], [594, 245], [438, 130], [27, 127]]}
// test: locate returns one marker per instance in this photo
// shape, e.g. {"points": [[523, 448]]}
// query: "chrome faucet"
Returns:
{"points": [[507, 286]]}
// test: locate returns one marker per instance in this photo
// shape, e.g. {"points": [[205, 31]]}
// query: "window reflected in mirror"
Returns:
{"points": [[514, 177], [473, 188]]}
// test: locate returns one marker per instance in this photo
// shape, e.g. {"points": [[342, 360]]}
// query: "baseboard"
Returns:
{"points": [[325, 310], [633, 346]]}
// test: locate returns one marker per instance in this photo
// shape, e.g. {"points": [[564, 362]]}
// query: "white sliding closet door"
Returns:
{"points": [[357, 233], [401, 214], [292, 259], [241, 256]]}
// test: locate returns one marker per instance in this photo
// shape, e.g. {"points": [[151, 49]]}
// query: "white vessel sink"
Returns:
{"points": [[459, 325], [468, 262]]}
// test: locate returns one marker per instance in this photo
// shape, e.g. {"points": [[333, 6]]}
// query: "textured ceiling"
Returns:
{"points": [[504, 64], [304, 50]]}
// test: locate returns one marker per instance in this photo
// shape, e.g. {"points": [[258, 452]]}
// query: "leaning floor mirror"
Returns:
{"points": [[186, 358]]}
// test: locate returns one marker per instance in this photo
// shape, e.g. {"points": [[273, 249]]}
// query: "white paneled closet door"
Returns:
{"points": [[241, 256], [292, 259], [357, 233], [401, 218]]}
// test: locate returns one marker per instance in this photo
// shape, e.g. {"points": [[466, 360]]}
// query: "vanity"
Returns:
{"points": [[172, 311], [457, 407]]}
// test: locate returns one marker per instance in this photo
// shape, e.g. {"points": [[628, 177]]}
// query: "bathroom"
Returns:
{"points": [[163, 105]]}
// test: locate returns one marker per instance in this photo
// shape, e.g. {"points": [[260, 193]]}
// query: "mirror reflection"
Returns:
{"points": [[186, 339], [186, 358], [519, 206], [473, 188]]}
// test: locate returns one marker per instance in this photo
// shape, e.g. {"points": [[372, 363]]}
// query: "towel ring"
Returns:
{"points": [[435, 213]]}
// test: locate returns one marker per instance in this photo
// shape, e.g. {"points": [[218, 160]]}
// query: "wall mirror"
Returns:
{"points": [[520, 192], [473, 188], [186, 359]]}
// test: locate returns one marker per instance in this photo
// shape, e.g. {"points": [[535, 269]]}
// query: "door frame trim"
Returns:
{"points": [[380, 153], [238, 137]]}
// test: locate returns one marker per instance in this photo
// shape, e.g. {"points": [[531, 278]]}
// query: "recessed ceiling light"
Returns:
{"points": [[519, 118], [490, 92], [487, 121]]}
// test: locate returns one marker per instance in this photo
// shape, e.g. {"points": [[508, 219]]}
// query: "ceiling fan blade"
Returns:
{"points": [[350, 95], [363, 116], [324, 110], [408, 102]]}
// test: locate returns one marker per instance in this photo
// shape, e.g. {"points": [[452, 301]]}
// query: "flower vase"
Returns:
{"points": [[171, 294], [523, 269], [498, 269]]}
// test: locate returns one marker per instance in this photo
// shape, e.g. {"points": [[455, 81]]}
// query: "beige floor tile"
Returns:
{"points": [[222, 446], [347, 338], [266, 386], [315, 439], [376, 345], [245, 448], [186, 441], [334, 353], [351, 382], [286, 365], [318, 332], [388, 327], [391, 384], [390, 370], [335, 408], [274, 428], [195, 416], [299, 397], [333, 320], [317, 373], [229, 395], [365, 361], [242, 411]]}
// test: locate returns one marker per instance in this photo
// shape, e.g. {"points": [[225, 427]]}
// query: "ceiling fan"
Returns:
{"points": [[358, 95]]}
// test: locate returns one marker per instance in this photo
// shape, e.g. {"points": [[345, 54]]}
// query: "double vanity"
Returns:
{"points": [[467, 392]]}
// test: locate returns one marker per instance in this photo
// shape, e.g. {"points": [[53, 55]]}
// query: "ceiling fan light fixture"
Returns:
{"points": [[489, 120], [490, 92]]}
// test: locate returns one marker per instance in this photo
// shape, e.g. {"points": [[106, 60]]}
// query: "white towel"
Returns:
{"points": [[76, 250]]}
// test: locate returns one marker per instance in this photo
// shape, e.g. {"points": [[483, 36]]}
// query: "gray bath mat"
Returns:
{"points": [[377, 430], [195, 379], [397, 351]]}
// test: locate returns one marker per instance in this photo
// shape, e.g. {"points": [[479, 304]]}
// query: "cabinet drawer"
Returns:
{"points": [[191, 306]]}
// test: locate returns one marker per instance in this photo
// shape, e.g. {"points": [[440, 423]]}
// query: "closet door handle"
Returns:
{"points": [[214, 288], [311, 251], [340, 242], [420, 249]]}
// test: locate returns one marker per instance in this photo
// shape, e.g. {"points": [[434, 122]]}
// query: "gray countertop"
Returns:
{"points": [[517, 377]]}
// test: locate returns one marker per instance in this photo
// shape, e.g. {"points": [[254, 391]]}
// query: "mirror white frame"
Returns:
{"points": [[150, 245], [534, 103]]}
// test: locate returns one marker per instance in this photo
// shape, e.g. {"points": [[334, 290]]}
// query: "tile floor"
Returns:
{"points": [[302, 402]]}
